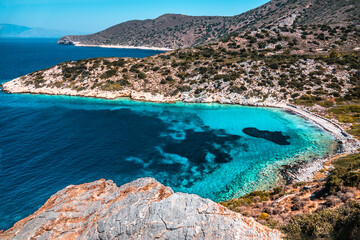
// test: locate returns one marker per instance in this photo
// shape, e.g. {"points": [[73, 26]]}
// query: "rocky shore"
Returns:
{"points": [[142, 209], [347, 143], [77, 44]]}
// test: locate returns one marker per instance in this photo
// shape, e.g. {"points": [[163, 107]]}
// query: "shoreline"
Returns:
{"points": [[76, 44], [349, 144], [297, 171]]}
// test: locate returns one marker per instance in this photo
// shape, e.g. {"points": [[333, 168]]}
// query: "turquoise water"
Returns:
{"points": [[50, 142]]}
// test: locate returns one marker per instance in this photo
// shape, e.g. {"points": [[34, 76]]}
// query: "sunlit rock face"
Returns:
{"points": [[142, 209]]}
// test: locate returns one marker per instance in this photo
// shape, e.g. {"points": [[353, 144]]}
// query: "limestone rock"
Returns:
{"points": [[66, 41], [142, 209]]}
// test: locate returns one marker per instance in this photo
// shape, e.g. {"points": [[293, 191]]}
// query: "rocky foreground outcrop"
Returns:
{"points": [[142, 209]]}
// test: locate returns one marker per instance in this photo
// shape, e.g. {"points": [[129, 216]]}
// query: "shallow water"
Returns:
{"points": [[49, 142]]}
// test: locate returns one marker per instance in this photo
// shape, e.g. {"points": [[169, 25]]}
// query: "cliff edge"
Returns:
{"points": [[142, 209]]}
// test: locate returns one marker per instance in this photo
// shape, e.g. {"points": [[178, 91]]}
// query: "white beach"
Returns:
{"points": [[123, 47]]}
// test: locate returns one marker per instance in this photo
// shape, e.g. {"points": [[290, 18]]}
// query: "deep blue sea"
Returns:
{"points": [[50, 142]]}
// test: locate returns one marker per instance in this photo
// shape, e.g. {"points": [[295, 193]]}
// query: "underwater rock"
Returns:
{"points": [[275, 137]]}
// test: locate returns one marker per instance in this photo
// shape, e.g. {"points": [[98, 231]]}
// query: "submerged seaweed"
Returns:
{"points": [[275, 137]]}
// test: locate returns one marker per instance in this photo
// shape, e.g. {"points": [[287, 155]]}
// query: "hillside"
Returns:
{"points": [[11, 30], [180, 31], [283, 64]]}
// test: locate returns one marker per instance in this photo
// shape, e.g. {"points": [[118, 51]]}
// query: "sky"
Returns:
{"points": [[89, 16]]}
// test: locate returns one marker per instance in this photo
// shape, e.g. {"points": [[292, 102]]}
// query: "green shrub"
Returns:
{"points": [[346, 118], [261, 45], [247, 199], [279, 190], [274, 66], [169, 79], [355, 130], [278, 47], [141, 75], [345, 173], [341, 223], [134, 68], [307, 100], [326, 104], [347, 113], [321, 36], [263, 216], [108, 74], [346, 109]]}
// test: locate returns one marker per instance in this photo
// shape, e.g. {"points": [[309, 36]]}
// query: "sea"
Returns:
{"points": [[50, 142]]}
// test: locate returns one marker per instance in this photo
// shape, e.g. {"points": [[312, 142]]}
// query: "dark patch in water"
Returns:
{"points": [[275, 137], [197, 145]]}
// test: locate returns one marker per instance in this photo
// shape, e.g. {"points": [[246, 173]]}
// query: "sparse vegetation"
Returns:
{"points": [[346, 173], [341, 223], [108, 74]]}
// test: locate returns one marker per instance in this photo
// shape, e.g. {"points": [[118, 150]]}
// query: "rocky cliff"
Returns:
{"points": [[179, 31], [142, 209]]}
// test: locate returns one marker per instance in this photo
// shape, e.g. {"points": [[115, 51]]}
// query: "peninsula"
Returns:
{"points": [[268, 67]]}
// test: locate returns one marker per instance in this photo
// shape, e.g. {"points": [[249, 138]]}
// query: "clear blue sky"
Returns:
{"points": [[95, 15]]}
